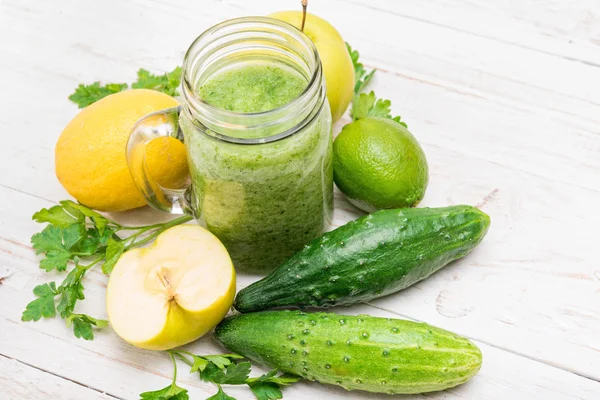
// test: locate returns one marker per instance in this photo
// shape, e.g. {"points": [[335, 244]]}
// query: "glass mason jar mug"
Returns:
{"points": [[261, 182]]}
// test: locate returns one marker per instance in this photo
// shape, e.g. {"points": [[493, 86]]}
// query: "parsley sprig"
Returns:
{"points": [[79, 236], [222, 369], [367, 104], [171, 392], [168, 83], [361, 77]]}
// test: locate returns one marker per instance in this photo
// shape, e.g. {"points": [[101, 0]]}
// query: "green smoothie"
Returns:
{"points": [[263, 201], [253, 88]]}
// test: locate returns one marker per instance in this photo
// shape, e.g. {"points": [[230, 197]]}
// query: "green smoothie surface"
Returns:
{"points": [[253, 88]]}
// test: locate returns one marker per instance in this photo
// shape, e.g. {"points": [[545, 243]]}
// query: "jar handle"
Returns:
{"points": [[163, 123]]}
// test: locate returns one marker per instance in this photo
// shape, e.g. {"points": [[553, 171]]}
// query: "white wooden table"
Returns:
{"points": [[504, 96]]}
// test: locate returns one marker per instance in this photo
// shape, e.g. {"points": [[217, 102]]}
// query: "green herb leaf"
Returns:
{"points": [[284, 379], [99, 221], [171, 392], [47, 240], [367, 105], [167, 83], [56, 243], [221, 395], [56, 215], [268, 386], [71, 290], [233, 374], [85, 95], [218, 361], [77, 232], [44, 305], [223, 360], [113, 253], [361, 77], [82, 325], [199, 364], [55, 259], [266, 390]]}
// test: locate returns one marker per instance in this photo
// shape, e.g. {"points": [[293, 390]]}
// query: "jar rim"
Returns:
{"points": [[198, 108]]}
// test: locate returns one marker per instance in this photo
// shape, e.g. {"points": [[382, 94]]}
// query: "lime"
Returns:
{"points": [[378, 163]]}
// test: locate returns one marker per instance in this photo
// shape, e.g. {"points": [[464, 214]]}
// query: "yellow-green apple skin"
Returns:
{"points": [[172, 292], [337, 64]]}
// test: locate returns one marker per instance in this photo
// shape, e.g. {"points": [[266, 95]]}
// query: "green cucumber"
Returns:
{"points": [[374, 256], [380, 355]]}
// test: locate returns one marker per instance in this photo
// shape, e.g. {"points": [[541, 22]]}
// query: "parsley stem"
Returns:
{"points": [[161, 229], [96, 261], [181, 357], [174, 369], [144, 227]]}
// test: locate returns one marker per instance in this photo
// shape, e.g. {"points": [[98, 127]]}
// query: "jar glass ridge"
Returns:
{"points": [[247, 40]]}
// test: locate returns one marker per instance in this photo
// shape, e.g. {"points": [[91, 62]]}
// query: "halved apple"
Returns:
{"points": [[173, 292]]}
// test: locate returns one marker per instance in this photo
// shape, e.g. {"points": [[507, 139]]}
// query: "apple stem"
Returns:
{"points": [[304, 5]]}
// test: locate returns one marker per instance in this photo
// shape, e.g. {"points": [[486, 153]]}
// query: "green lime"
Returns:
{"points": [[378, 163]]}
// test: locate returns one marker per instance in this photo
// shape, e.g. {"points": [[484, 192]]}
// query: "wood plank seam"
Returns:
{"points": [[61, 377], [496, 99], [467, 32]]}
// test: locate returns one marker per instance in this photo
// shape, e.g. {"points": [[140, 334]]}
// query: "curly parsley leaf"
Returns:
{"points": [[269, 385], [223, 360], [229, 369], [76, 233], [266, 390], [113, 253], [167, 83], [171, 392], [271, 377], [83, 325], [44, 305], [367, 105], [221, 395], [57, 216], [85, 95], [56, 243], [168, 393], [71, 290], [232, 374], [100, 222], [361, 77]]}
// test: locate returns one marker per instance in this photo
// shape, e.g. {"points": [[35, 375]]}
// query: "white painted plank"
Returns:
{"points": [[529, 242], [471, 92], [494, 291], [22, 382], [507, 118], [564, 29], [109, 364]]}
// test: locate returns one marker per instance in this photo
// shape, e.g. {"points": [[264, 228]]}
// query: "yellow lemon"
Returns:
{"points": [[90, 153]]}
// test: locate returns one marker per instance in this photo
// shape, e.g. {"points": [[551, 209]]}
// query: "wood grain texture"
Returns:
{"points": [[504, 97], [20, 381]]}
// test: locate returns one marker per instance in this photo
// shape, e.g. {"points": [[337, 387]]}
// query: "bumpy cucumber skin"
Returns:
{"points": [[355, 352], [374, 256]]}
